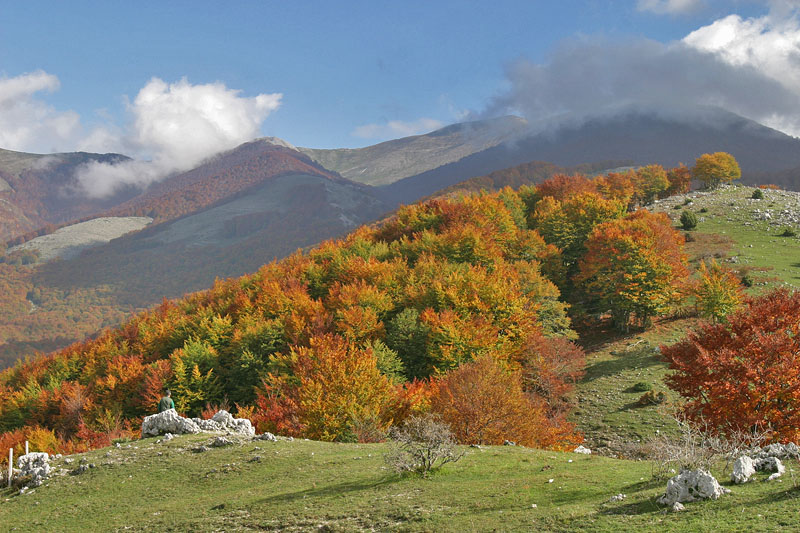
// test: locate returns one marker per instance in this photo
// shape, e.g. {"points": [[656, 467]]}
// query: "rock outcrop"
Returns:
{"points": [[170, 421], [766, 459], [35, 465], [692, 485]]}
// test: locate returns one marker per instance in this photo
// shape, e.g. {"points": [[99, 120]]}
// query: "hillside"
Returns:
{"points": [[390, 161], [308, 485], [227, 217], [38, 191]]}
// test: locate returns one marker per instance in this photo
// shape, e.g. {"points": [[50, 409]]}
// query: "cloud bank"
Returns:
{"points": [[397, 128], [178, 125], [747, 66]]}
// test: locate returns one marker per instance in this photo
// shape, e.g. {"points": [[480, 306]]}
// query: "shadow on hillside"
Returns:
{"points": [[329, 490], [639, 358]]}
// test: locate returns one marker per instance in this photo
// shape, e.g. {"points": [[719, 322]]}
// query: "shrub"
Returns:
{"points": [[422, 444], [718, 293], [789, 232], [688, 220], [642, 386], [704, 210], [758, 194], [652, 397]]}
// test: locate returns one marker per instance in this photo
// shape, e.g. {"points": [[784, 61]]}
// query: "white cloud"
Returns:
{"points": [[397, 128], [177, 125], [768, 44], [172, 126], [27, 123], [669, 7]]}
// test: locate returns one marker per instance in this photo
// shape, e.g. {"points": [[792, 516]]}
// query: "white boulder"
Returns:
{"points": [[582, 449], [692, 485], [168, 421], [36, 465], [743, 468], [770, 464]]}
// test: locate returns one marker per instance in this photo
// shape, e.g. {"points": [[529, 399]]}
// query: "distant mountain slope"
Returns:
{"points": [[220, 177], [390, 161], [641, 138], [38, 190], [235, 236]]}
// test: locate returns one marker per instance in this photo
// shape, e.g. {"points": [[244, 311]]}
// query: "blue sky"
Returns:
{"points": [[349, 73]]}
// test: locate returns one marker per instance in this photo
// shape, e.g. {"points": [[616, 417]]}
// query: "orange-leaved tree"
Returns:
{"points": [[715, 169], [745, 373], [634, 267], [484, 403], [330, 386]]}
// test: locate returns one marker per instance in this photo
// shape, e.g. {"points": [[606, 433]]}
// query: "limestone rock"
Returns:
{"points": [[36, 465], [168, 421], [582, 449], [224, 422], [267, 436], [692, 485], [743, 468], [677, 507], [617, 498], [781, 451], [770, 464], [219, 442]]}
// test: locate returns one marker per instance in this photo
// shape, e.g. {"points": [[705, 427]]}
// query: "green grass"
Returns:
{"points": [[304, 485]]}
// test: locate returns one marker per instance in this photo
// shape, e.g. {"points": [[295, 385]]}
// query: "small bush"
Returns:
{"points": [[789, 232], [642, 386], [687, 201], [422, 444], [688, 220], [652, 398], [746, 279], [758, 194], [704, 210]]}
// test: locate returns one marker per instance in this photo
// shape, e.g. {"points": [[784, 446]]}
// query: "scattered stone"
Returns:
{"points": [[200, 449], [475, 446], [509, 443], [550, 480], [254, 459], [617, 498], [68, 460], [743, 468], [80, 470], [266, 436], [774, 476], [582, 449], [692, 485], [677, 507], [35, 465], [218, 507], [219, 442]]}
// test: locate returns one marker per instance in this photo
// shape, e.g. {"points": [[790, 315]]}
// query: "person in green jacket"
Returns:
{"points": [[166, 402]]}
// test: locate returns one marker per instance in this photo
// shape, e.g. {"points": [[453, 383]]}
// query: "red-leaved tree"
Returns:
{"points": [[744, 373]]}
